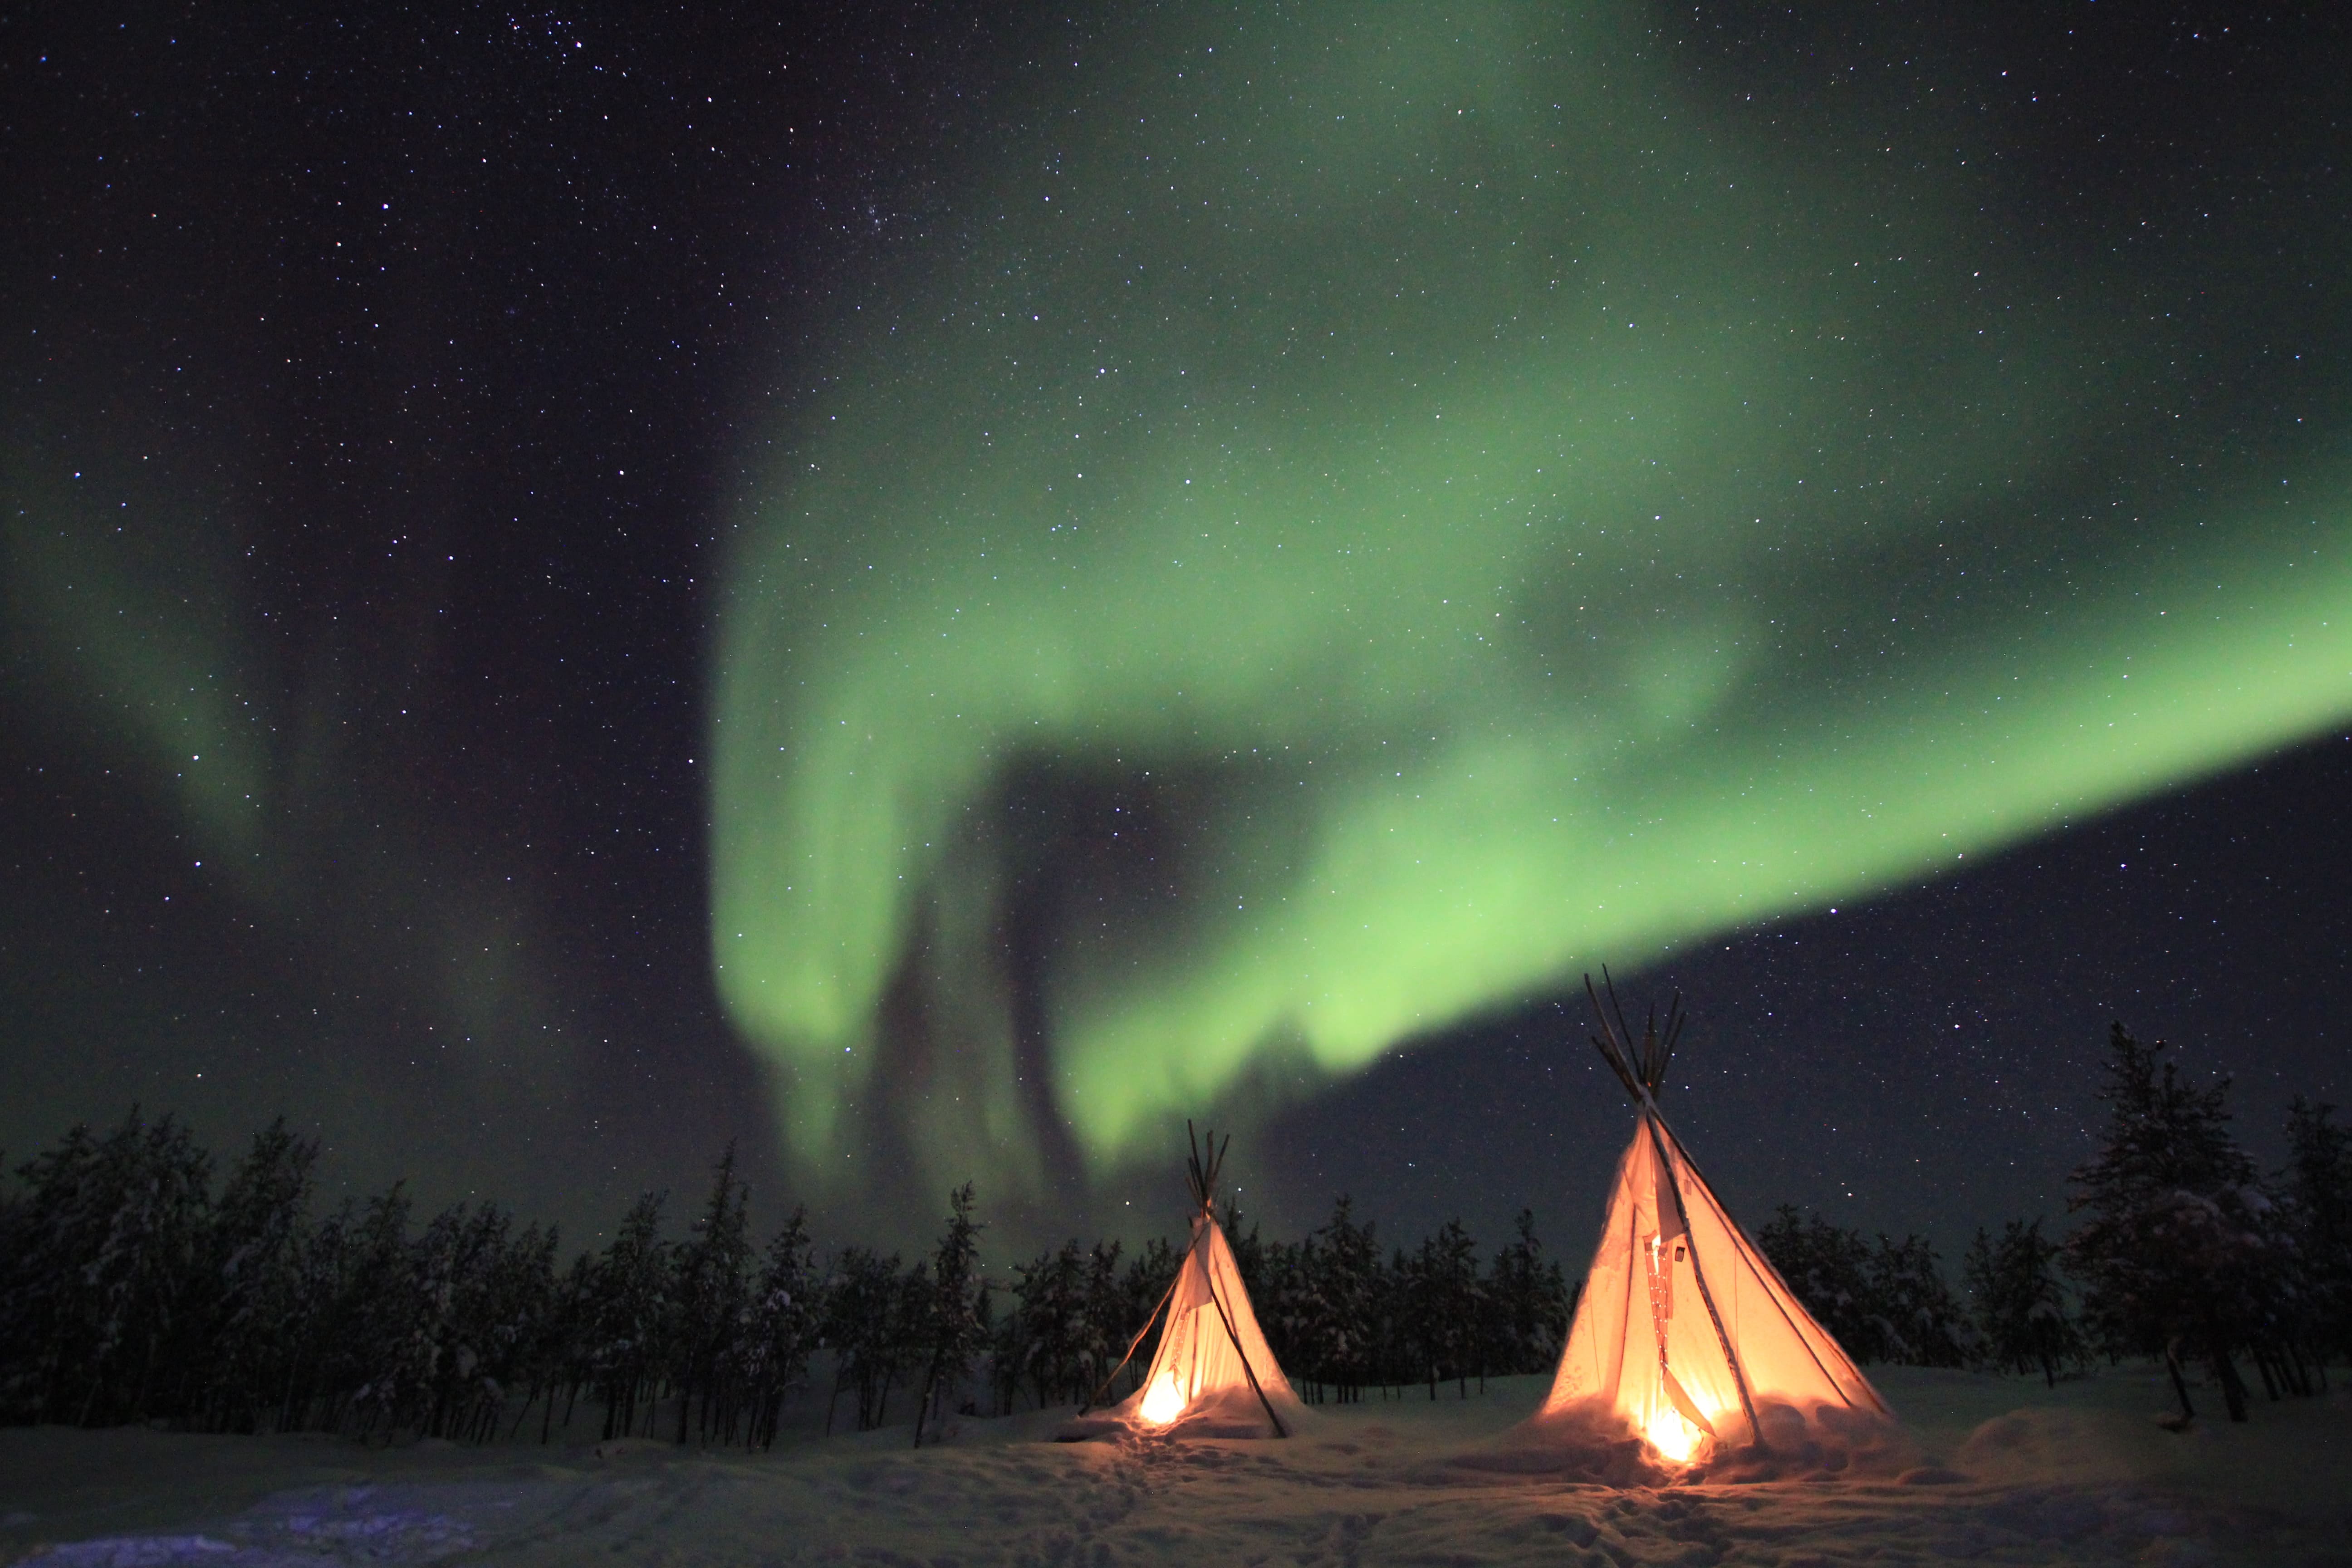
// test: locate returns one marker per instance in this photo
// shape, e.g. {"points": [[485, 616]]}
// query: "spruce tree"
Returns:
{"points": [[951, 1326], [866, 1319], [1920, 1321], [1107, 1330], [2021, 1302], [314, 1336], [1828, 1267], [138, 1227], [2172, 1250], [530, 1307], [1051, 1338], [1300, 1335], [1248, 1248], [713, 1289], [2318, 1186], [630, 1313], [1141, 1288], [1440, 1298], [1529, 1302], [786, 1325], [428, 1330], [1009, 1352], [52, 1232], [368, 1318], [1349, 1259], [252, 1257]]}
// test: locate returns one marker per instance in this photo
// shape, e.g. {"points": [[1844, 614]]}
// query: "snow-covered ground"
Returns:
{"points": [[2007, 1472]]}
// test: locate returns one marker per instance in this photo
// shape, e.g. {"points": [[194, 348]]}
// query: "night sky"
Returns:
{"points": [[930, 597]]}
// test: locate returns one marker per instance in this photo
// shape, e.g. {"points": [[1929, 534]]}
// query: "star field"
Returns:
{"points": [[399, 409]]}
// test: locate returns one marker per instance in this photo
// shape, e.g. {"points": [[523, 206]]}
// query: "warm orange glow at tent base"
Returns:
{"points": [[1163, 1401], [1213, 1374], [1673, 1437], [1685, 1333]]}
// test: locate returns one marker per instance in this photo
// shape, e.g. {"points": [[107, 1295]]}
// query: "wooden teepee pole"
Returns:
{"points": [[1130, 1356], [1681, 1214], [1775, 1288], [1235, 1338]]}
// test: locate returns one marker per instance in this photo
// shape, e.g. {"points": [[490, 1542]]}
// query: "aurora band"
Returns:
{"points": [[1536, 510]]}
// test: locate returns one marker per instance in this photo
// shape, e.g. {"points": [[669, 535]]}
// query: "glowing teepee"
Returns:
{"points": [[1685, 1333], [1213, 1375]]}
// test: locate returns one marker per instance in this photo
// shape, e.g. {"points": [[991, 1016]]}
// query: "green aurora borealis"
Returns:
{"points": [[1520, 506]]}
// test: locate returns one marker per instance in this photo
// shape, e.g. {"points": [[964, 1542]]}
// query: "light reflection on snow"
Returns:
{"points": [[302, 1540], [134, 1552], [2023, 1473]]}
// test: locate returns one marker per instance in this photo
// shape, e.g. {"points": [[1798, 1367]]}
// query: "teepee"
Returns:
{"points": [[1685, 1333], [1213, 1375]]}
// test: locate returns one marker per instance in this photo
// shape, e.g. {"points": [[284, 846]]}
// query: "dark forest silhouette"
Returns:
{"points": [[134, 1286]]}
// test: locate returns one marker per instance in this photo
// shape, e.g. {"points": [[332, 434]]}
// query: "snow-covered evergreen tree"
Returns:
{"points": [[1883, 1302], [2176, 1241], [2020, 1310], [1348, 1288], [1283, 1299], [784, 1324], [712, 1287], [101, 1289], [631, 1314], [2318, 1186], [1106, 1331], [1049, 1341], [252, 1254], [1141, 1286], [866, 1318], [1829, 1268], [950, 1329], [1529, 1301], [1446, 1305], [1919, 1319]]}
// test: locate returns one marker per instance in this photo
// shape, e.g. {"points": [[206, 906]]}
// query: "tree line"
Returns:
{"points": [[1340, 1317], [135, 1288], [132, 1291], [2183, 1250]]}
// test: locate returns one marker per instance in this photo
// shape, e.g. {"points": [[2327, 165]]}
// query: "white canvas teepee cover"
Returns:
{"points": [[1211, 1351], [1685, 1332]]}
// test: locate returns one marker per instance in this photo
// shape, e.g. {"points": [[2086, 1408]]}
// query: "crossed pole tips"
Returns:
{"points": [[1205, 1182], [1642, 1075], [1202, 1177]]}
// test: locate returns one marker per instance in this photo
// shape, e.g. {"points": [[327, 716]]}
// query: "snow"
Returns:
{"points": [[1996, 1469]]}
